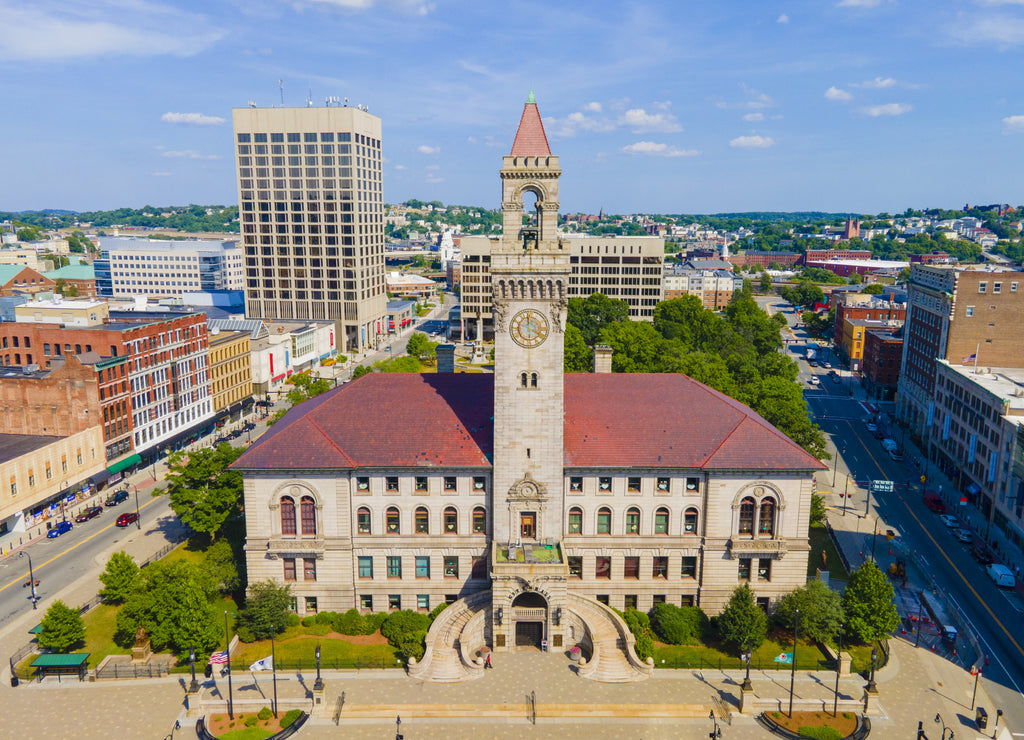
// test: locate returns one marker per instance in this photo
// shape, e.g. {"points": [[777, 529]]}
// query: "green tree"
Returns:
{"points": [[766, 282], [420, 347], [856, 279], [204, 493], [593, 313], [220, 563], [306, 386], [172, 601], [817, 515], [360, 371], [873, 289], [743, 623], [62, 628], [867, 603], [119, 578], [821, 611], [267, 609], [578, 356]]}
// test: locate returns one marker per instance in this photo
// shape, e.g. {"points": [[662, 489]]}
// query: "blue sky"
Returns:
{"points": [[672, 106]]}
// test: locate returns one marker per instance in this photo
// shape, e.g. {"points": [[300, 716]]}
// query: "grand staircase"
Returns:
{"points": [[453, 640], [613, 658]]}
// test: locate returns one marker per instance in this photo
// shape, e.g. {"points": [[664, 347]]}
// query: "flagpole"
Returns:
{"points": [[273, 669], [977, 352], [227, 653]]}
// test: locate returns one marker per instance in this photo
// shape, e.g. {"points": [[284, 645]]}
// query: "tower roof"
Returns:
{"points": [[530, 138]]}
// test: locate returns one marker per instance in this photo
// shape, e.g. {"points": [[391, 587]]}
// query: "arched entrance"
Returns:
{"points": [[530, 614]]}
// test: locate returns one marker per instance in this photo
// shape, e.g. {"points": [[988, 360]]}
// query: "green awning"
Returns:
{"points": [[126, 463], [60, 660], [36, 630]]}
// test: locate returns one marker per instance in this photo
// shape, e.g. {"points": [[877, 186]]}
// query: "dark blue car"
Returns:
{"points": [[59, 529]]}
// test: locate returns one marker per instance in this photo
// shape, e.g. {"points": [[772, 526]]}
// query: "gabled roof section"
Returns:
{"points": [[530, 137]]}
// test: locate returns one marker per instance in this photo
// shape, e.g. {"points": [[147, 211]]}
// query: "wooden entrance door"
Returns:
{"points": [[528, 525], [529, 634]]}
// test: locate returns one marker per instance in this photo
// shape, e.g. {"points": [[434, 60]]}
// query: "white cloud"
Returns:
{"points": [[658, 150], [1013, 125], [859, 3], [755, 100], [188, 154], [592, 107], [888, 109], [195, 119], [834, 93], [424, 149], [879, 83], [399, 166], [782, 19], [433, 166], [1000, 2], [753, 117], [993, 29], [640, 120], [752, 142], [48, 31], [161, 174], [435, 179], [416, 7]]}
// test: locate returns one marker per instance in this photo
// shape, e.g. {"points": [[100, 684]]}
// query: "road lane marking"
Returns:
{"points": [[60, 555]]}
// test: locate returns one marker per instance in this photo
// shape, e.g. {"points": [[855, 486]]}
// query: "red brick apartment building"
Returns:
{"points": [[883, 355]]}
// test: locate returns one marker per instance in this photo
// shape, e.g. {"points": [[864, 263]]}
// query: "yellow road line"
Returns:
{"points": [[62, 554]]}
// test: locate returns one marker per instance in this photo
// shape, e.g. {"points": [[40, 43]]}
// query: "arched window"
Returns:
{"points": [[690, 521], [308, 512], [533, 380], [661, 521], [747, 516], [766, 517], [451, 520], [604, 520], [479, 520], [363, 521], [422, 521], [391, 523], [575, 520], [633, 520], [522, 379], [287, 515]]}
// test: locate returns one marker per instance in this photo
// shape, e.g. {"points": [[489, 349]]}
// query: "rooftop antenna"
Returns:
{"points": [[252, 103], [280, 84], [309, 99], [346, 102]]}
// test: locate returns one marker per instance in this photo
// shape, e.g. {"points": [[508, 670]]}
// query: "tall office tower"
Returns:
{"points": [[312, 217]]}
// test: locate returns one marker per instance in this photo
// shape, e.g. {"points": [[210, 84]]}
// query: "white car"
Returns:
{"points": [[814, 380], [826, 365], [950, 521], [964, 535]]}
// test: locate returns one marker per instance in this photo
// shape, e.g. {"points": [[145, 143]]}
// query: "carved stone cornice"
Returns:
{"points": [[284, 548], [527, 489], [761, 548]]}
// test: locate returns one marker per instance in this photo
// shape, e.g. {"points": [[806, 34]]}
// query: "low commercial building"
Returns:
{"points": [[852, 345], [63, 312], [409, 284], [231, 373], [401, 315], [852, 305]]}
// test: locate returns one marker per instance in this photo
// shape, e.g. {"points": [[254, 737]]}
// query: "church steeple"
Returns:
{"points": [[530, 138]]}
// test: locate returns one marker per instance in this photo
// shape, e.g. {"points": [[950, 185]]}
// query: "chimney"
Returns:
{"points": [[446, 358], [602, 358]]}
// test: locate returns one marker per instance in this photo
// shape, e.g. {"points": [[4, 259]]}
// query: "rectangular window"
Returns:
{"points": [[479, 483], [479, 569], [394, 602], [632, 567], [764, 569], [394, 566], [423, 602], [421, 483], [363, 521], [423, 566], [970, 311], [311, 606], [575, 566], [692, 484], [983, 287], [997, 287], [633, 485], [744, 569], [391, 483], [602, 599], [575, 522], [604, 522], [450, 483], [689, 569], [604, 567], [363, 483], [660, 569], [365, 566], [1013, 287], [289, 568], [686, 600], [663, 485], [366, 602], [309, 569], [604, 483], [451, 566], [576, 483]]}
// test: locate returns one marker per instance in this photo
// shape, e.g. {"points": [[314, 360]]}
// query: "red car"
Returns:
{"points": [[90, 513], [129, 517], [936, 504]]}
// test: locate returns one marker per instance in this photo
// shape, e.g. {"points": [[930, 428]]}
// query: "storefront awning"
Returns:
{"points": [[126, 463]]}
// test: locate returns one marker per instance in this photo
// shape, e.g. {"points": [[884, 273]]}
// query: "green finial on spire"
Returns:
{"points": [[531, 100]]}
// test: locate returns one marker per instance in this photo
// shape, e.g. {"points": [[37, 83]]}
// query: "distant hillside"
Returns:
{"points": [[191, 218]]}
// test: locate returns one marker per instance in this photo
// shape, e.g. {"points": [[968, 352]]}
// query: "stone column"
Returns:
{"points": [[871, 701], [747, 699]]}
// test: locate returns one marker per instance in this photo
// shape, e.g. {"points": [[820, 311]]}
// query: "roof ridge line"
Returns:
{"points": [[330, 441]]}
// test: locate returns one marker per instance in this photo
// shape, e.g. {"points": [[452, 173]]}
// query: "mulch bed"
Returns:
{"points": [[220, 724], [845, 723]]}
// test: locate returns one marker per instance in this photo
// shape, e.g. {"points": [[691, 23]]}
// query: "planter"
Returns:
{"points": [[861, 730], [204, 733]]}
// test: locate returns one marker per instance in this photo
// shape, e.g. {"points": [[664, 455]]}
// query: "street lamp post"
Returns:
{"points": [[227, 654], [318, 685], [835, 702], [846, 493], [194, 686], [974, 695], [138, 516], [398, 728], [938, 718], [792, 672], [32, 582], [63, 496], [273, 666], [747, 686], [872, 686], [716, 731]]}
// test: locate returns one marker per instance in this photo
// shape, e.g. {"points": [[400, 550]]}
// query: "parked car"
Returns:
{"points": [[964, 535], [935, 503], [1002, 575], [90, 513], [896, 454], [879, 433], [981, 554], [60, 528], [814, 380], [129, 517], [117, 497], [871, 426], [835, 377], [950, 521]]}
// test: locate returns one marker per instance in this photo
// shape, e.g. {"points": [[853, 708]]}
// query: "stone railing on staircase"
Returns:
{"points": [[613, 658], [456, 635]]}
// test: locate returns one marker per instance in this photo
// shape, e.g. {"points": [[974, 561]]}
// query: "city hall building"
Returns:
{"points": [[531, 500]]}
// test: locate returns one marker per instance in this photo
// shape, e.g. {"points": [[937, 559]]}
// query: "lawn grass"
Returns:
{"points": [[296, 653], [819, 540], [100, 625], [713, 654], [186, 552], [246, 733]]}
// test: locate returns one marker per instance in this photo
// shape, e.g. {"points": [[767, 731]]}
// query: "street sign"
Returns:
{"points": [[882, 486]]}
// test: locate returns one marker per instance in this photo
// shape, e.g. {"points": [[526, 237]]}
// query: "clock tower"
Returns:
{"points": [[529, 279]]}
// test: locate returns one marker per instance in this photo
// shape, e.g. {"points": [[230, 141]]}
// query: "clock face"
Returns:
{"points": [[529, 328]]}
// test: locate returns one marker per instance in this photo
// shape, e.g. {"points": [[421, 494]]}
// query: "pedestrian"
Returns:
{"points": [[488, 663]]}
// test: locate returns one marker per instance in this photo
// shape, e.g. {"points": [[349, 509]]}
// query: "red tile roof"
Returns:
{"points": [[442, 420], [530, 137]]}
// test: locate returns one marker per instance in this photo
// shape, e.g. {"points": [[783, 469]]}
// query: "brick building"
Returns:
{"points": [[883, 355], [856, 307], [826, 255], [19, 280], [755, 257]]}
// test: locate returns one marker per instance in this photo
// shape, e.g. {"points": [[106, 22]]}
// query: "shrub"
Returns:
{"points": [[251, 720], [820, 733], [402, 624], [325, 617], [437, 610], [308, 621], [373, 622], [412, 647], [675, 625], [294, 620], [644, 646], [640, 625], [265, 713], [350, 623], [289, 719]]}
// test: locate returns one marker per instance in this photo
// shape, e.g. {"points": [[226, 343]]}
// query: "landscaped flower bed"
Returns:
{"points": [[250, 725], [820, 725]]}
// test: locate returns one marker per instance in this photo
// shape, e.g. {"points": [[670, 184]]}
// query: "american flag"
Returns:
{"points": [[220, 658], [973, 357]]}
